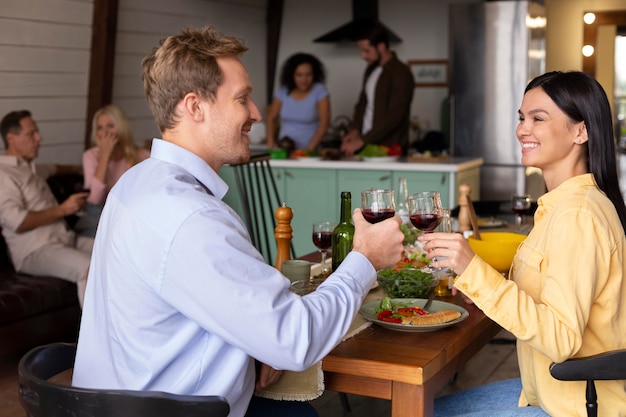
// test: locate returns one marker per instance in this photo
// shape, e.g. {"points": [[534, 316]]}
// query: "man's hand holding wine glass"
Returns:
{"points": [[381, 242]]}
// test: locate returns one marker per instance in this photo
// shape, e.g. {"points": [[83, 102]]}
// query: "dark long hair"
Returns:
{"points": [[582, 99], [295, 60]]}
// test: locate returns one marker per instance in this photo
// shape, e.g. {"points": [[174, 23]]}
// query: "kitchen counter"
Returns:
{"points": [[451, 165]]}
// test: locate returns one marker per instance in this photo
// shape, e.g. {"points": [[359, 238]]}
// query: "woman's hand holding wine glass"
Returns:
{"points": [[426, 212]]}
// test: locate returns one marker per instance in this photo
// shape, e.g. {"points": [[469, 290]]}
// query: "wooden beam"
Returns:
{"points": [[274, 22], [104, 31], [614, 17]]}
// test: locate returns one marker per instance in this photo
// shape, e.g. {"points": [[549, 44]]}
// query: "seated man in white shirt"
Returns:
{"points": [[39, 240], [178, 298]]}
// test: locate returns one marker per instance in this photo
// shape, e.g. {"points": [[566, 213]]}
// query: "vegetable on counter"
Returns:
{"points": [[395, 150], [303, 153], [371, 150]]}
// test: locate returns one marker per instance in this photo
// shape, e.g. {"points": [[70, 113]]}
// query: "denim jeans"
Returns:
{"points": [[498, 399], [263, 407]]}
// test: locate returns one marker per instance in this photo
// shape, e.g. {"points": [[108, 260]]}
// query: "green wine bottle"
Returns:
{"points": [[343, 234]]}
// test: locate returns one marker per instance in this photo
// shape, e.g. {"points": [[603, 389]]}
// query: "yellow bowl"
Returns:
{"points": [[497, 248]]}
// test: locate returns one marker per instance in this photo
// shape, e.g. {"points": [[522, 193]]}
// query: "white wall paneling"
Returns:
{"points": [[142, 24], [44, 63]]}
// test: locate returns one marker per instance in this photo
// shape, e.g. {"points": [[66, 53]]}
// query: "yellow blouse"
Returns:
{"points": [[566, 297]]}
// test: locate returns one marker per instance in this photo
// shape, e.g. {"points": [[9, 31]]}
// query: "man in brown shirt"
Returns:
{"points": [[382, 113]]}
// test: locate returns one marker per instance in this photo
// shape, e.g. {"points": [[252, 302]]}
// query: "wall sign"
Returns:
{"points": [[433, 73]]}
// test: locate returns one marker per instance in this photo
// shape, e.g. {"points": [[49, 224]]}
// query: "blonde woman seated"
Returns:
{"points": [[112, 154]]}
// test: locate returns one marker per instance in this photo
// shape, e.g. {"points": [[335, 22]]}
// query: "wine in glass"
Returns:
{"points": [[323, 239], [426, 212], [521, 206], [377, 205]]}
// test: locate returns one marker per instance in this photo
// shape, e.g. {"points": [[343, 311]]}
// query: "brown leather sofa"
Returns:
{"points": [[35, 309]]}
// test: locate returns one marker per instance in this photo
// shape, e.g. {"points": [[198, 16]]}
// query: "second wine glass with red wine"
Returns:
{"points": [[323, 239], [377, 205], [425, 212]]}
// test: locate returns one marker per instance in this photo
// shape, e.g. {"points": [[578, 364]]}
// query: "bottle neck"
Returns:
{"points": [[346, 208], [402, 206], [403, 193]]}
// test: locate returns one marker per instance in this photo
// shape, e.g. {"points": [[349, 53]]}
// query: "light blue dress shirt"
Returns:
{"points": [[178, 299]]}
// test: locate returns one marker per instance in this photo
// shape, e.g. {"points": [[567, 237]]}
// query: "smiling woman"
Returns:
{"points": [[550, 302]]}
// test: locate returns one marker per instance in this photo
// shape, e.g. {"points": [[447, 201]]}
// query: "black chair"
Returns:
{"points": [[601, 367], [259, 199], [42, 398]]}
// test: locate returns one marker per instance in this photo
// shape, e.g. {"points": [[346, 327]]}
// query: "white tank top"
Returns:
{"points": [[370, 93]]}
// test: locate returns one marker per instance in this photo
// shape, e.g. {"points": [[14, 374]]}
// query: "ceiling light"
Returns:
{"points": [[589, 18], [588, 50]]}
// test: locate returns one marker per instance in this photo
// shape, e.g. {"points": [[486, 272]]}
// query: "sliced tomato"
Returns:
{"points": [[387, 315], [411, 311]]}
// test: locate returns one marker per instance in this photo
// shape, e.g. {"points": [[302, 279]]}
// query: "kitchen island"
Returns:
{"points": [[312, 187]]}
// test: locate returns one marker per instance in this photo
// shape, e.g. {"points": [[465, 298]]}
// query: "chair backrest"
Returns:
{"points": [[259, 199], [43, 398], [601, 367]]}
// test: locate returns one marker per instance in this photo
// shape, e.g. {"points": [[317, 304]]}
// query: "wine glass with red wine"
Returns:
{"points": [[426, 212], [521, 206], [323, 239], [377, 205]]}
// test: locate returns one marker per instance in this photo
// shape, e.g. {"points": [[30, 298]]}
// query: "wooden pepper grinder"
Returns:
{"points": [[283, 234], [464, 210]]}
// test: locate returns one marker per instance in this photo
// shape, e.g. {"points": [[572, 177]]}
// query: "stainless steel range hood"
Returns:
{"points": [[364, 12]]}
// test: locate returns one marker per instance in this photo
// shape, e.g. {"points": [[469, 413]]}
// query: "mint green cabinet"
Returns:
{"points": [[232, 196], [426, 181], [357, 180], [312, 195]]}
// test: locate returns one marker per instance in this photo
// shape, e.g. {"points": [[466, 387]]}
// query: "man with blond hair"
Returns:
{"points": [[178, 299]]}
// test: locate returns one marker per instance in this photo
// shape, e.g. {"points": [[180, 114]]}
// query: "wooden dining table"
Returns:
{"points": [[408, 368]]}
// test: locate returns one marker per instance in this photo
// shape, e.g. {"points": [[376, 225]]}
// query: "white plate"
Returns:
{"points": [[379, 158], [368, 311], [485, 223]]}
